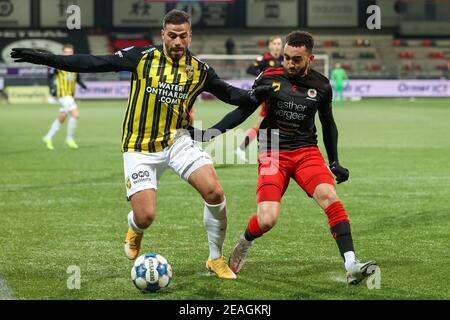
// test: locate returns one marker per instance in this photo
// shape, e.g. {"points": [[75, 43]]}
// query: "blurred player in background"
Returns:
{"points": [[165, 83], [289, 150], [338, 81], [62, 86], [271, 59]]}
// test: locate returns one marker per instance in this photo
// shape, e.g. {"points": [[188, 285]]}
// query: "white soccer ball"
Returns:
{"points": [[151, 272]]}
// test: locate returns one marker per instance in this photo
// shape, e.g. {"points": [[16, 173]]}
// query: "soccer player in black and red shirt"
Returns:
{"points": [[288, 149], [271, 59]]}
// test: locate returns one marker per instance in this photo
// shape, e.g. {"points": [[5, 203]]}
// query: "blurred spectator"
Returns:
{"points": [[230, 46], [229, 49]]}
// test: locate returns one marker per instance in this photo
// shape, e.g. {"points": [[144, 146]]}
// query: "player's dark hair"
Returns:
{"points": [[68, 46], [300, 39], [176, 17]]}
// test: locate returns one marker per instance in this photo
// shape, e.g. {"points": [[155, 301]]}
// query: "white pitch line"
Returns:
{"points": [[5, 291]]}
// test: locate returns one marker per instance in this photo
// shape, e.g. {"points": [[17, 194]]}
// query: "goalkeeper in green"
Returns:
{"points": [[338, 79]]}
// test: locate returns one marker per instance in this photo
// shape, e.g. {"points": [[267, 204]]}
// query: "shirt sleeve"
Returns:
{"points": [[326, 101], [225, 92], [329, 128], [123, 60]]}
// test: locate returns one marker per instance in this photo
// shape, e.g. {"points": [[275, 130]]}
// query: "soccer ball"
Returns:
{"points": [[151, 272]]}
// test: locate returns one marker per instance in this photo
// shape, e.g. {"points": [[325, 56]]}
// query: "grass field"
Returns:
{"points": [[63, 207]]}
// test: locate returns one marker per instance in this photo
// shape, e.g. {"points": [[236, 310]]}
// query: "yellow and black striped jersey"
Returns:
{"points": [[162, 92], [62, 83]]}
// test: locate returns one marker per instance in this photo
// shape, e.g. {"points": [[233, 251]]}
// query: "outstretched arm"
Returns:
{"points": [[233, 95], [79, 62], [229, 121]]}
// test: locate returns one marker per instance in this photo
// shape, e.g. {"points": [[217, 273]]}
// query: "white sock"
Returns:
{"points": [[71, 127], [132, 224], [53, 129], [349, 257], [215, 220]]}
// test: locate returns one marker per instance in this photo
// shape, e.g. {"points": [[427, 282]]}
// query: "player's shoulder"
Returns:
{"points": [[270, 73], [200, 62], [273, 71], [318, 80]]}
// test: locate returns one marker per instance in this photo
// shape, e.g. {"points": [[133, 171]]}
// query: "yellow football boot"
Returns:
{"points": [[220, 267], [133, 244]]}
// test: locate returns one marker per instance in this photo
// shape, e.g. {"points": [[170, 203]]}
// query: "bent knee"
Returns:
{"points": [[214, 195], [268, 217], [268, 222], [325, 195], [144, 217]]}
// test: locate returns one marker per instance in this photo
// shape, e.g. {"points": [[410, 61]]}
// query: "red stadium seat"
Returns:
{"points": [[436, 55], [406, 55]]}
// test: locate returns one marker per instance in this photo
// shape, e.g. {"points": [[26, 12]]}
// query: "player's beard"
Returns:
{"points": [[304, 71], [176, 53], [300, 72]]}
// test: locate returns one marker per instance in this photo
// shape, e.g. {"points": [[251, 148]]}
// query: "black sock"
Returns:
{"points": [[248, 236], [342, 234]]}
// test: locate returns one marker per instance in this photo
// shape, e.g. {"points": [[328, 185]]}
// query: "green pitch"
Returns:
{"points": [[66, 208]]}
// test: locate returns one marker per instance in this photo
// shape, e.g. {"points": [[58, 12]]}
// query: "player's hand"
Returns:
{"points": [[29, 55], [261, 93], [340, 172]]}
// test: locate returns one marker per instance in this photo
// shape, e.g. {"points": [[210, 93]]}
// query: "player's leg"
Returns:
{"points": [[72, 124], [55, 126], [142, 172], [325, 195], [313, 175], [206, 182], [273, 180], [143, 204], [196, 167]]}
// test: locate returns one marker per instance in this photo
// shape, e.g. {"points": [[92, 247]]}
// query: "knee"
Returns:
{"points": [[214, 195], [267, 220], [325, 195], [144, 217]]}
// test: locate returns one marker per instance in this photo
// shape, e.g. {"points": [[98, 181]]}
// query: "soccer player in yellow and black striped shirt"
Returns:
{"points": [[62, 86], [165, 82]]}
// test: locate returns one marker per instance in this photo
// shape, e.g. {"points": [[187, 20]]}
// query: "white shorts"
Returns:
{"points": [[67, 104], [143, 170]]}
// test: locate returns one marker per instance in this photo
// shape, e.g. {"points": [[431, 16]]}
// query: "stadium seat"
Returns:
{"points": [[436, 55]]}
